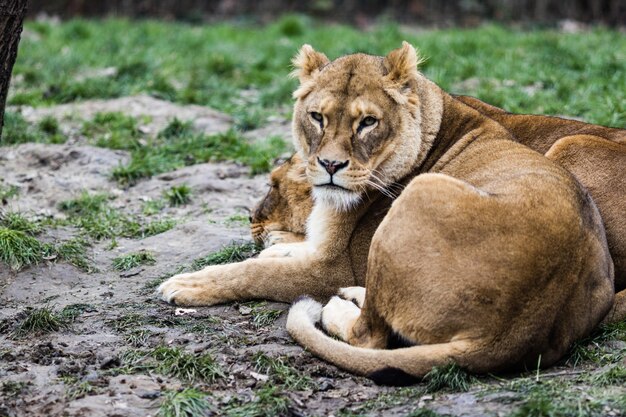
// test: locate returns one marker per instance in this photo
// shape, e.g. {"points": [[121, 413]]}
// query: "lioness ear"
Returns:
{"points": [[401, 64], [307, 62]]}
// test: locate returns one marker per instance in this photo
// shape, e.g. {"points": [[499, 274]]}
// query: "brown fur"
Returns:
{"points": [[491, 256], [596, 155]]}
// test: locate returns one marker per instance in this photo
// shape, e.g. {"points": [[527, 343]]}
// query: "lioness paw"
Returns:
{"points": [[278, 236], [287, 250], [338, 317], [194, 289], [354, 294]]}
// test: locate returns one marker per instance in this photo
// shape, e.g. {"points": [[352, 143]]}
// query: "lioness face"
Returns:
{"points": [[287, 204], [356, 122]]}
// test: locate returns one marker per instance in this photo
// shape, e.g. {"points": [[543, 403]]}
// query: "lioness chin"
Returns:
{"points": [[491, 256]]}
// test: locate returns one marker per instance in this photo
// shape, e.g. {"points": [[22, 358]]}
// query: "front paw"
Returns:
{"points": [[279, 236], [287, 250], [194, 289]]}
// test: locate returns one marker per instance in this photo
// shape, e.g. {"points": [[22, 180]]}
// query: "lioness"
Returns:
{"points": [[492, 256], [596, 155]]}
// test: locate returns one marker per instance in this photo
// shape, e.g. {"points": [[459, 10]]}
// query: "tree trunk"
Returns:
{"points": [[12, 14]]}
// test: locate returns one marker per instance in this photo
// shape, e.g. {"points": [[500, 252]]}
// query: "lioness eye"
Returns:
{"points": [[368, 121], [316, 116]]}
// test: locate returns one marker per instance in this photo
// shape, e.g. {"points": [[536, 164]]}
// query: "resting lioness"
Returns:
{"points": [[492, 256], [596, 155]]}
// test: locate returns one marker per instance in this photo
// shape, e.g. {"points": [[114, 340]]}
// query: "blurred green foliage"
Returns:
{"points": [[242, 69]]}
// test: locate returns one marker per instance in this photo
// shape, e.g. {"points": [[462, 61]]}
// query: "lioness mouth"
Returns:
{"points": [[331, 185]]}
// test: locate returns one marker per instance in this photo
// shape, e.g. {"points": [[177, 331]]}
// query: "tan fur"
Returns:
{"points": [[596, 156], [491, 256]]}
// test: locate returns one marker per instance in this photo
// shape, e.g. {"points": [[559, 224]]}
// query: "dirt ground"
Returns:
{"points": [[49, 369]]}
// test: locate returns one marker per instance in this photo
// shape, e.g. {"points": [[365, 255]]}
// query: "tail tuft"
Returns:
{"points": [[393, 377], [304, 311]]}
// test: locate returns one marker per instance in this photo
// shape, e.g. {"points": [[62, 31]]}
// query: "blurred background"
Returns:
{"points": [[434, 12]]}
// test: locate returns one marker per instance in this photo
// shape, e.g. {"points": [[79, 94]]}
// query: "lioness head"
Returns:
{"points": [[357, 121], [287, 204]]}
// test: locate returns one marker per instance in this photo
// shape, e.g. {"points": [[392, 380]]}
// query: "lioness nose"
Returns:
{"points": [[332, 166]]}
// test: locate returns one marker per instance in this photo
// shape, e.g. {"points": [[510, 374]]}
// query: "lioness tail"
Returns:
{"points": [[389, 367]]}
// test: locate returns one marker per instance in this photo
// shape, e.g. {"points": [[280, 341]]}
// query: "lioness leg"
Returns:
{"points": [[600, 164], [279, 279], [464, 263]]}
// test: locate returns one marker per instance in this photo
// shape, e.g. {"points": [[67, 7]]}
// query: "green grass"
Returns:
{"points": [[186, 403], [37, 321], [8, 192], [133, 260], [93, 214], [234, 252], [178, 195], [449, 377], [593, 348], [113, 130], [242, 69], [18, 246], [174, 362], [268, 401], [17, 130], [12, 389], [165, 154], [72, 251], [281, 373]]}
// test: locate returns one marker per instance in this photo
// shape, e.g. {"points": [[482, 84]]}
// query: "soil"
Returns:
{"points": [[92, 347]]}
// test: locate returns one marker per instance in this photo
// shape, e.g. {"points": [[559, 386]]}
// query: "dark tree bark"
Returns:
{"points": [[12, 14]]}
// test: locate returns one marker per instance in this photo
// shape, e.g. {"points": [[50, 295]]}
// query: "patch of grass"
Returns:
{"points": [[137, 338], [268, 401], [49, 125], [593, 349], [186, 366], [234, 252], [35, 321], [262, 316], [75, 388], [8, 192], [73, 251], [12, 388], [238, 220], [614, 375], [176, 128], [186, 403], [281, 373], [17, 130], [70, 312], [151, 207], [178, 195], [18, 249], [93, 214], [450, 377], [16, 221], [133, 260], [113, 130], [167, 154], [174, 362], [383, 401], [425, 412]]}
